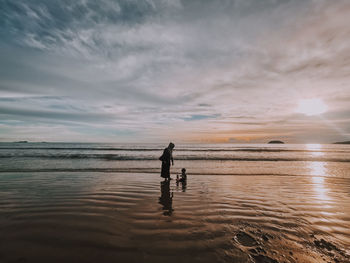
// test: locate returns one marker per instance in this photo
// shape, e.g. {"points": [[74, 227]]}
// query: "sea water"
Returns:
{"points": [[78, 202], [229, 159]]}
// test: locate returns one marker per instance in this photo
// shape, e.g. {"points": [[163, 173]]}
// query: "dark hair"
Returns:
{"points": [[183, 170], [171, 145]]}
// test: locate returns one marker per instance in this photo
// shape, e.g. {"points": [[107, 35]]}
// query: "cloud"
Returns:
{"points": [[190, 66]]}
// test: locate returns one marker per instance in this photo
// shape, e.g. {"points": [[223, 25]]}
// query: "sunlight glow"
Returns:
{"points": [[314, 149], [318, 169], [318, 172], [311, 107]]}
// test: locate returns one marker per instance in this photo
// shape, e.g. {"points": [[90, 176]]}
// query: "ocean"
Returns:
{"points": [[214, 159], [98, 202]]}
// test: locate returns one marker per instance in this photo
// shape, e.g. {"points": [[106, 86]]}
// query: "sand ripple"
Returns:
{"points": [[99, 217]]}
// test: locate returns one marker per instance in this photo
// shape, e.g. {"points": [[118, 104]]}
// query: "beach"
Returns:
{"points": [[241, 203], [161, 131]]}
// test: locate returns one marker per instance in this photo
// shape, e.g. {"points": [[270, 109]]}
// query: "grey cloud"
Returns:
{"points": [[158, 63], [52, 115], [40, 17]]}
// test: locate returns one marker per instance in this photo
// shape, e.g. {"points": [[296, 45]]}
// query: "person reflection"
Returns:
{"points": [[183, 185], [166, 198]]}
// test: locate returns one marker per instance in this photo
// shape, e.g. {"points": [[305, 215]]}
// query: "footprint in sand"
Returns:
{"points": [[249, 241], [246, 239], [263, 259]]}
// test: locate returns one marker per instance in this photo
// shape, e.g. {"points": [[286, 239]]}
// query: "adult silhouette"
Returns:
{"points": [[167, 160]]}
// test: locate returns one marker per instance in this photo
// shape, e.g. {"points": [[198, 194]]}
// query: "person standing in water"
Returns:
{"points": [[167, 160]]}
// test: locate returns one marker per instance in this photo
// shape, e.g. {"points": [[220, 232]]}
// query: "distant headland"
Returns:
{"points": [[346, 142], [21, 142], [276, 141]]}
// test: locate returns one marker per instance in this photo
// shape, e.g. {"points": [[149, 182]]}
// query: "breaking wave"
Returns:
{"points": [[119, 157]]}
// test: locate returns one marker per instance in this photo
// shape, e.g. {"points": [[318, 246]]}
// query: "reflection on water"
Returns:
{"points": [[166, 198], [126, 218], [315, 149], [318, 171], [183, 185]]}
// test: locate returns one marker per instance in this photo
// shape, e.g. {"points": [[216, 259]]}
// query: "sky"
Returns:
{"points": [[169, 70]]}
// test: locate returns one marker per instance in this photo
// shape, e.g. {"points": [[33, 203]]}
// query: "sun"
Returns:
{"points": [[311, 107]]}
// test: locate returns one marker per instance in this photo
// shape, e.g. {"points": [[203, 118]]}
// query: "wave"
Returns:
{"points": [[133, 170], [81, 148], [116, 157], [177, 150]]}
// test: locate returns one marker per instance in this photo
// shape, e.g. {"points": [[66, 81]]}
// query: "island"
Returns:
{"points": [[21, 142], [276, 141], [346, 142]]}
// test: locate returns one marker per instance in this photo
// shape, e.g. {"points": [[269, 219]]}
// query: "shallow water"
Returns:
{"points": [[74, 202], [131, 217]]}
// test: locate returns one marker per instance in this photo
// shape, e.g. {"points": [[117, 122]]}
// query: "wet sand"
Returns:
{"points": [[126, 217]]}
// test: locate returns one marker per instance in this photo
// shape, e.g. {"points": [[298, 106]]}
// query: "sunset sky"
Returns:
{"points": [[160, 70]]}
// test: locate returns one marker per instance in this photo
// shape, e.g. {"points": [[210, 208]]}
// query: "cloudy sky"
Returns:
{"points": [[159, 70]]}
